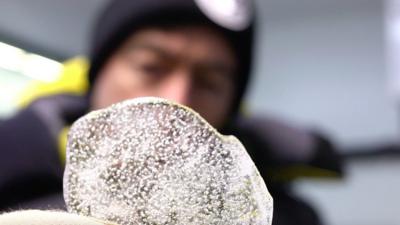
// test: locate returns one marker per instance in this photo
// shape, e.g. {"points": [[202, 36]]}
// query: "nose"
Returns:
{"points": [[177, 87]]}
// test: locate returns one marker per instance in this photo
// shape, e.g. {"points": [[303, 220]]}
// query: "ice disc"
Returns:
{"points": [[149, 161]]}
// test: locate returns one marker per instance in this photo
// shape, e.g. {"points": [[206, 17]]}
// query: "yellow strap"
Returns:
{"points": [[291, 172], [73, 79], [62, 144]]}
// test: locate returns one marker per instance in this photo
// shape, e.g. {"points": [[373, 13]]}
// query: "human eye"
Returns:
{"points": [[148, 63], [208, 83], [153, 68], [212, 80]]}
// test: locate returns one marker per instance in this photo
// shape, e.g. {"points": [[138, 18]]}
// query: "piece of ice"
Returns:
{"points": [[149, 161]]}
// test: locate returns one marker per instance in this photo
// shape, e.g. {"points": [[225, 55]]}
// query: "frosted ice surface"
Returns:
{"points": [[149, 161]]}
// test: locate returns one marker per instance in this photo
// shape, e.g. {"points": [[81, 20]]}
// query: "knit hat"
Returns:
{"points": [[120, 18]]}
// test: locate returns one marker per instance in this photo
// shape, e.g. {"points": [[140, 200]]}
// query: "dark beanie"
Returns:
{"points": [[121, 18]]}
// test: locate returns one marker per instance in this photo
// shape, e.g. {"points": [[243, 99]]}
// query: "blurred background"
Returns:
{"points": [[330, 65]]}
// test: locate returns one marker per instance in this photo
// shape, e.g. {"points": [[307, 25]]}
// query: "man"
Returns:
{"points": [[187, 51]]}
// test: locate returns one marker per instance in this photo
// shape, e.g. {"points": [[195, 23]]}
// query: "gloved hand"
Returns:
{"points": [[39, 217]]}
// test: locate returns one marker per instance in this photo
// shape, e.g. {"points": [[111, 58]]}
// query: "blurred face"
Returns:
{"points": [[193, 66]]}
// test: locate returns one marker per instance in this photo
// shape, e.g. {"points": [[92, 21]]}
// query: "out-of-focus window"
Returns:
{"points": [[18, 68]]}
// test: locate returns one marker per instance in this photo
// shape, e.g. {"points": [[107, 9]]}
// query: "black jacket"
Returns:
{"points": [[31, 170]]}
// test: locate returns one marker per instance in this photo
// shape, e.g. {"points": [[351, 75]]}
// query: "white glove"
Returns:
{"points": [[39, 217]]}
